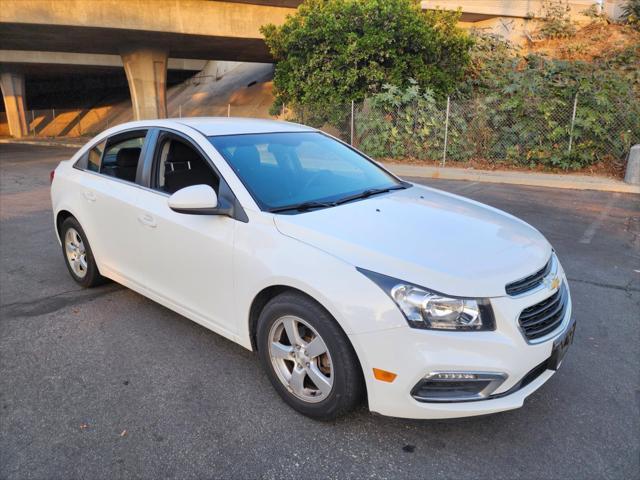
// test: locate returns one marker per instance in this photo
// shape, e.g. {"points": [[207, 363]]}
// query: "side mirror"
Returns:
{"points": [[196, 200]]}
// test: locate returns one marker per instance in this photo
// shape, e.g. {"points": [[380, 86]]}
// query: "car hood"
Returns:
{"points": [[424, 236]]}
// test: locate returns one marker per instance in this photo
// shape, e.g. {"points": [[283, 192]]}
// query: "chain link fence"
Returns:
{"points": [[549, 131]]}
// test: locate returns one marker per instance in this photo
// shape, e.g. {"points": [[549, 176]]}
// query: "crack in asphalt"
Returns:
{"points": [[53, 303], [625, 288]]}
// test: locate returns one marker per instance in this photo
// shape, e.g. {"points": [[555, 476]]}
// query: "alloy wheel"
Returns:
{"points": [[76, 252], [301, 359]]}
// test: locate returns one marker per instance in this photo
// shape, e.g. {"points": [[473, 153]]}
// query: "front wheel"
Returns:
{"points": [[308, 358]]}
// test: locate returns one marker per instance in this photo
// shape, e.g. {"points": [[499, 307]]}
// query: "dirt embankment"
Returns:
{"points": [[599, 40]]}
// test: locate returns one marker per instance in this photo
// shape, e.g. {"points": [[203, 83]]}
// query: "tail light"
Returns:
{"points": [[51, 175]]}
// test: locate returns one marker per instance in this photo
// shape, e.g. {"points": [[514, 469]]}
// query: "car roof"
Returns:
{"points": [[210, 126]]}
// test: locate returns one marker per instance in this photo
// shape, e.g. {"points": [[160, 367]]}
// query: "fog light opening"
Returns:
{"points": [[457, 386]]}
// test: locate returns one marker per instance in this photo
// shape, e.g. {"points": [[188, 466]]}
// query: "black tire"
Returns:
{"points": [[92, 277], [347, 390]]}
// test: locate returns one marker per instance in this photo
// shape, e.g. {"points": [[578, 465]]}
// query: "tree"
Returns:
{"points": [[333, 51]]}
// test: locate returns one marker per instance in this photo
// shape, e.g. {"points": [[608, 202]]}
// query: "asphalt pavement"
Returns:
{"points": [[106, 384]]}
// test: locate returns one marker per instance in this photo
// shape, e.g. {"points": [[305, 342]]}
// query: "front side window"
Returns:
{"points": [[122, 154], [179, 165], [283, 169]]}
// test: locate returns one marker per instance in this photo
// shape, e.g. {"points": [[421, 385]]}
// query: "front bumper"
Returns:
{"points": [[412, 354]]}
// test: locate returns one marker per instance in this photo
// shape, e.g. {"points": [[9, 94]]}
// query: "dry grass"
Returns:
{"points": [[595, 41]]}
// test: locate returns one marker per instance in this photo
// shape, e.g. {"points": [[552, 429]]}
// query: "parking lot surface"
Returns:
{"points": [[105, 383]]}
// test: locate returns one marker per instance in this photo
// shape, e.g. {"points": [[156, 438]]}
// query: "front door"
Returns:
{"points": [[185, 261]]}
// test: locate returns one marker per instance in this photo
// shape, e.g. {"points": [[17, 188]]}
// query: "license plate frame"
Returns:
{"points": [[561, 346]]}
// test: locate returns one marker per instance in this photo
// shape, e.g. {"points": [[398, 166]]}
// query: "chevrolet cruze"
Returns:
{"points": [[348, 282]]}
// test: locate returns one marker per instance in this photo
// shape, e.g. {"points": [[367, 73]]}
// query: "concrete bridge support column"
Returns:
{"points": [[146, 70], [13, 93]]}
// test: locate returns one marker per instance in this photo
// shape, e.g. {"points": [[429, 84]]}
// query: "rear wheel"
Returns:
{"points": [[78, 255], [308, 358]]}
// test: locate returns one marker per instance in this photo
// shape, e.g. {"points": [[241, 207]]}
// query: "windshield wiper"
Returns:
{"points": [[303, 207], [370, 192]]}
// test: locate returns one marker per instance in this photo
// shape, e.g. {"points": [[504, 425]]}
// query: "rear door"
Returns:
{"points": [[185, 260], [109, 196]]}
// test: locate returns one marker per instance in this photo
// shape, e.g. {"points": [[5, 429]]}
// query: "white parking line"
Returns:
{"points": [[591, 230]]}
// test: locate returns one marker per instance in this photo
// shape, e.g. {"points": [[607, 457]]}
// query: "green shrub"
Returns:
{"points": [[556, 20], [331, 52], [401, 123]]}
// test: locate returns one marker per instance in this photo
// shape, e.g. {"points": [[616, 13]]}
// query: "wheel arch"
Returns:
{"points": [[61, 216], [266, 294], [260, 300]]}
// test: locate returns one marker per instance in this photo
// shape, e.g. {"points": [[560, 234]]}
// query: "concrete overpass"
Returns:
{"points": [[146, 36]]}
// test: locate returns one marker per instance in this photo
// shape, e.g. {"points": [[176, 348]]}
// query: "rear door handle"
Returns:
{"points": [[89, 196], [147, 220]]}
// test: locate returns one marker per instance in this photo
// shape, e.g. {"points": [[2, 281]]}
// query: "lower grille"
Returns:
{"points": [[544, 317]]}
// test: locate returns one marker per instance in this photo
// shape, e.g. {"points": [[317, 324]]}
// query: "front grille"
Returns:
{"points": [[528, 283], [544, 317]]}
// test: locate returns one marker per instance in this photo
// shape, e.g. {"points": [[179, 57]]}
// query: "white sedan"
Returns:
{"points": [[350, 283]]}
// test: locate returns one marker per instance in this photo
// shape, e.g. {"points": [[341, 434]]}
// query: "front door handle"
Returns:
{"points": [[89, 196], [147, 220]]}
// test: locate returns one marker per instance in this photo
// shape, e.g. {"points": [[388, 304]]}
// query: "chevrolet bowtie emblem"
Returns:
{"points": [[554, 283]]}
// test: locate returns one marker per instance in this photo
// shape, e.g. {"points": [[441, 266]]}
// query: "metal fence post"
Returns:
{"points": [[446, 132], [180, 111], [282, 113], [573, 121], [352, 122]]}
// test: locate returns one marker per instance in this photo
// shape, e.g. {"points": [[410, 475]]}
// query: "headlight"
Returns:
{"points": [[427, 309]]}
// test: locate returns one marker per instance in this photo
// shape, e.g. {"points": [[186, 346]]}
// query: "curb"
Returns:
{"points": [[42, 143], [535, 179], [551, 180]]}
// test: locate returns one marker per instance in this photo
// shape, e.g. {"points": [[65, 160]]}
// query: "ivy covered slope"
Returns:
{"points": [[508, 106], [515, 107], [596, 70], [334, 51]]}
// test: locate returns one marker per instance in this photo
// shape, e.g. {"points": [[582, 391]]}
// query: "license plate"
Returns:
{"points": [[560, 347]]}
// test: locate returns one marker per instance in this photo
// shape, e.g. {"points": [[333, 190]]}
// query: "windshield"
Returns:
{"points": [[289, 169]]}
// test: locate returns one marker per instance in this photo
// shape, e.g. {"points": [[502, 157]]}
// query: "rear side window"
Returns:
{"points": [[95, 157], [122, 155]]}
